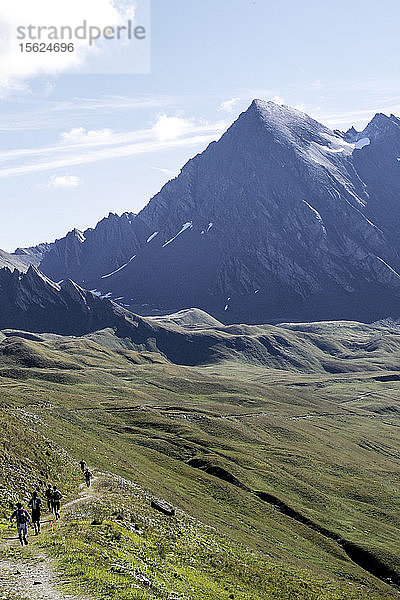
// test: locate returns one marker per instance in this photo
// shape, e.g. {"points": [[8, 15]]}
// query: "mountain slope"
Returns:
{"points": [[302, 468], [23, 257], [34, 303], [85, 256], [17, 261], [281, 219]]}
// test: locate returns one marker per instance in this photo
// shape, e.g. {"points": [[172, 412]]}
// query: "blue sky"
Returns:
{"points": [[76, 146]]}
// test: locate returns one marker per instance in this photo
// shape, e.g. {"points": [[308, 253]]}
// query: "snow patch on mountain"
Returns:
{"points": [[388, 266], [153, 235], [361, 143], [119, 268], [79, 235], [316, 213], [188, 225]]}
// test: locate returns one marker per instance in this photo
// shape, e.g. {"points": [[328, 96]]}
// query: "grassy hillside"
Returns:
{"points": [[301, 469], [115, 545]]}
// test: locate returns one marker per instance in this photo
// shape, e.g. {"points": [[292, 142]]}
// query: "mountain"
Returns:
{"points": [[33, 303], [86, 256], [281, 219], [36, 253], [13, 261], [23, 257]]}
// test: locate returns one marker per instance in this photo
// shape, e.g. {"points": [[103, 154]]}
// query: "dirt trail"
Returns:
{"points": [[34, 577], [30, 580]]}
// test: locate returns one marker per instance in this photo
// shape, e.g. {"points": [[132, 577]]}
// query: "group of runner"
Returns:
{"points": [[22, 516], [53, 498]]}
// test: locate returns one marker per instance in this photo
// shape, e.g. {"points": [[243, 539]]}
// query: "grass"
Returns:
{"points": [[326, 444], [119, 547], [30, 459]]}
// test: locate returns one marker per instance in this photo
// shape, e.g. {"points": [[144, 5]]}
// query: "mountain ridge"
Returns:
{"points": [[30, 302], [281, 219]]}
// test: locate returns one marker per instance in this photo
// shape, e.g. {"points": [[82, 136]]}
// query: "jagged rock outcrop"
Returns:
{"points": [[86, 256]]}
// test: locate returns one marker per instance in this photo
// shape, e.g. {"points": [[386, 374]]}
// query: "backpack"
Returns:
{"points": [[21, 516], [57, 495]]}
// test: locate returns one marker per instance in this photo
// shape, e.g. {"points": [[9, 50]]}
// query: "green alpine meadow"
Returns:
{"points": [[284, 481]]}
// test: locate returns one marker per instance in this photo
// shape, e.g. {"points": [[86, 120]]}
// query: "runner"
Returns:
{"points": [[83, 465], [55, 501], [49, 498], [88, 477], [36, 504], [22, 517]]}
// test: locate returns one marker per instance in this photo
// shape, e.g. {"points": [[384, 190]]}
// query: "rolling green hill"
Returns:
{"points": [[286, 478]]}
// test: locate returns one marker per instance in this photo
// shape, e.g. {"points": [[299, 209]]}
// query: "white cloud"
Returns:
{"points": [[78, 148], [114, 103], [358, 118], [278, 100], [17, 68], [54, 112], [105, 154], [63, 181], [165, 171], [170, 128], [229, 106], [78, 135]]}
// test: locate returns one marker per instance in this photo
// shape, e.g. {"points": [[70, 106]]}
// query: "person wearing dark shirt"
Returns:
{"points": [[55, 501], [35, 504], [49, 496], [22, 517], [88, 477]]}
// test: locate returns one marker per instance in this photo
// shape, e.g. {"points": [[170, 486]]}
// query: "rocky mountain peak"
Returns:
{"points": [[282, 218], [277, 125], [382, 129]]}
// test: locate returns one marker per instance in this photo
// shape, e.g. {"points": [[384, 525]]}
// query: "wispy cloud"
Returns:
{"points": [[229, 106], [355, 116], [79, 146], [113, 103], [78, 135], [164, 171], [30, 117]]}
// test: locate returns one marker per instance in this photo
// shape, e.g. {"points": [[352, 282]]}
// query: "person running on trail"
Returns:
{"points": [[83, 465], [55, 501], [88, 477], [22, 517], [35, 504], [49, 498]]}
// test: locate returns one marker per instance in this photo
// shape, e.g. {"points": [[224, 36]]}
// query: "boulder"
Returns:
{"points": [[163, 506]]}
